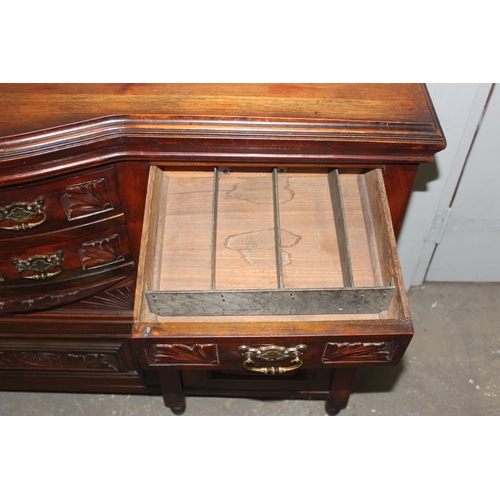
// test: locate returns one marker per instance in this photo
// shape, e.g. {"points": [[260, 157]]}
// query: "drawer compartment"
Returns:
{"points": [[259, 259]]}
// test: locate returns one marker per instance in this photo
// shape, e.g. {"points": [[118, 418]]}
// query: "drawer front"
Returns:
{"points": [[65, 356], [52, 262], [53, 275], [63, 203], [273, 356]]}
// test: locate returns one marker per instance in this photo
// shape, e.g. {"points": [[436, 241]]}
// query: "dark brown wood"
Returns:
{"points": [[399, 180], [87, 149], [132, 180], [362, 343], [172, 390], [305, 384], [338, 397]]}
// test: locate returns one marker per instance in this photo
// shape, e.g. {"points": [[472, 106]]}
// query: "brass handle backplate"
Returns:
{"points": [[40, 267], [20, 213], [272, 353]]}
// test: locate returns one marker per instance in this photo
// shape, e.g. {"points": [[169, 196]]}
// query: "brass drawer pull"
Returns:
{"points": [[21, 213], [40, 267], [272, 353]]}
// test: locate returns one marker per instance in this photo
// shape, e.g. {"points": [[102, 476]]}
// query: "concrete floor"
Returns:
{"points": [[452, 367]]}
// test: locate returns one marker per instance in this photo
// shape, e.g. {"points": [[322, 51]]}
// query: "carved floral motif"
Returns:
{"points": [[88, 198], [194, 354], [359, 351], [54, 360], [101, 252]]}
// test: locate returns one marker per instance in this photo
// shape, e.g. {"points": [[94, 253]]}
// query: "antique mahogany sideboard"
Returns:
{"points": [[228, 240]]}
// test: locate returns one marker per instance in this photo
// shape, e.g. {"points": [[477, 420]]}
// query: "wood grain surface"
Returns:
{"points": [[52, 105]]}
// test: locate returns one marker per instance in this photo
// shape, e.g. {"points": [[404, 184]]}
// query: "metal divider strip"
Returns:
{"points": [[277, 230], [341, 227], [215, 198]]}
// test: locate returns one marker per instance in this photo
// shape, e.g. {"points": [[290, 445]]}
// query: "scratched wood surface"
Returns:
{"points": [[246, 257], [306, 211]]}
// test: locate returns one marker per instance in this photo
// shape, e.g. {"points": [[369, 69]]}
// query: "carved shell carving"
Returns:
{"points": [[88, 198], [359, 351], [115, 299], [194, 354], [101, 252]]}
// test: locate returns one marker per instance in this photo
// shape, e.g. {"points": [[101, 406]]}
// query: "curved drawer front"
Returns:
{"points": [[62, 203], [54, 261], [42, 277]]}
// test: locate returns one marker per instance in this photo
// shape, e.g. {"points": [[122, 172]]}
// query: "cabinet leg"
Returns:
{"points": [[340, 390], [172, 391], [178, 410]]}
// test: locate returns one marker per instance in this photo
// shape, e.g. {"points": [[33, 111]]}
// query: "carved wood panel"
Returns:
{"points": [[41, 301], [100, 252], [87, 198], [359, 351], [55, 360], [174, 354], [119, 298]]}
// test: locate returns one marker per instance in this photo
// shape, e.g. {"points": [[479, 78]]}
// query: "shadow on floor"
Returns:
{"points": [[378, 378]]}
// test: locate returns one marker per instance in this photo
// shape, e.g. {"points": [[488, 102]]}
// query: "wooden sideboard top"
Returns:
{"points": [[64, 127], [31, 107]]}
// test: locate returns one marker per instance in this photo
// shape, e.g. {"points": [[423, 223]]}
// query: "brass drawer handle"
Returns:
{"points": [[40, 267], [272, 353], [21, 213]]}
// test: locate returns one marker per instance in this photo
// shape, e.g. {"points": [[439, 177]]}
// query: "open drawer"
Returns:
{"points": [[259, 269]]}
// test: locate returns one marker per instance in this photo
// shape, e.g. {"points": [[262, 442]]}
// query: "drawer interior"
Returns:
{"points": [[219, 234]]}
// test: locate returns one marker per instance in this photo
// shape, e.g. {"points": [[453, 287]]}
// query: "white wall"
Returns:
{"points": [[469, 247], [459, 108]]}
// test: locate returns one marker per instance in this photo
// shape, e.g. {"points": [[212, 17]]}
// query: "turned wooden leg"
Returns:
{"points": [[340, 390], [171, 388]]}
